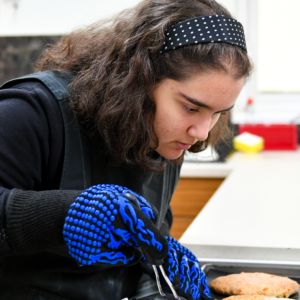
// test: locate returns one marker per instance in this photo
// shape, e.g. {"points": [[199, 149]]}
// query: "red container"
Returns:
{"points": [[276, 137]]}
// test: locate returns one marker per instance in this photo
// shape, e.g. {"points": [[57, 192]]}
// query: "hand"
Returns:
{"points": [[107, 223], [184, 272]]}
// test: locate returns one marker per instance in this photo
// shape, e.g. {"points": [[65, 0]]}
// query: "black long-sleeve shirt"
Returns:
{"points": [[31, 157], [32, 209]]}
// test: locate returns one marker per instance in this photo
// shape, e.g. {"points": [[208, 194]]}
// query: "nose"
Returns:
{"points": [[200, 129]]}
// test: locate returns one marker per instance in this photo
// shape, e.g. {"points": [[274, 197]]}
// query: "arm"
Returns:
{"points": [[33, 217], [33, 221], [32, 210]]}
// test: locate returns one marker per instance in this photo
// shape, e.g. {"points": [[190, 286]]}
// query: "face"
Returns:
{"points": [[187, 110]]}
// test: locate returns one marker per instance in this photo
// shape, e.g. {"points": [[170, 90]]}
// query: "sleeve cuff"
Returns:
{"points": [[34, 220]]}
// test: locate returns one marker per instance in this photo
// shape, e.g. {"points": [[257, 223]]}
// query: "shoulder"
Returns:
{"points": [[31, 134], [30, 89], [28, 99], [43, 88]]}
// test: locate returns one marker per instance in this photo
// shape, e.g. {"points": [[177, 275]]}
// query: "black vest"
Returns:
{"points": [[86, 164]]}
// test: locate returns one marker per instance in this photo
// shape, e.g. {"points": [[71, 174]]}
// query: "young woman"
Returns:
{"points": [[92, 144]]}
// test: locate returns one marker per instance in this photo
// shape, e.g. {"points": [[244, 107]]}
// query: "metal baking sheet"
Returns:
{"points": [[216, 268]]}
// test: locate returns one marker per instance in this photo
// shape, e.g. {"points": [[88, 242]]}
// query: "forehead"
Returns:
{"points": [[216, 89]]}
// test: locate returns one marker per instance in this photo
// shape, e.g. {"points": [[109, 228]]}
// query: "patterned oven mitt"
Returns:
{"points": [[184, 272], [108, 223]]}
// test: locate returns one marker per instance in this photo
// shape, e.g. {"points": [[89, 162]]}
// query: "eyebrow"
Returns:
{"points": [[200, 104]]}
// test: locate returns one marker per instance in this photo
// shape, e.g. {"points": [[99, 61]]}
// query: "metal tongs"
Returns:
{"points": [[155, 264], [163, 295]]}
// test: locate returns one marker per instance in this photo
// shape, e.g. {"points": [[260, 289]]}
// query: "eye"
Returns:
{"points": [[191, 110], [223, 113]]}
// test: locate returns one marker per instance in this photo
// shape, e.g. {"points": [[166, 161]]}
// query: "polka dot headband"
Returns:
{"points": [[206, 29]]}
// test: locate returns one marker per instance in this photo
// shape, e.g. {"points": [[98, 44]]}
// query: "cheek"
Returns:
{"points": [[166, 124]]}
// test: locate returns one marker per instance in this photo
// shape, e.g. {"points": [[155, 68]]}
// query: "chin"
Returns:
{"points": [[171, 154]]}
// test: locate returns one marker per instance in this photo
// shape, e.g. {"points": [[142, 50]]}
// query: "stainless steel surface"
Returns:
{"points": [[244, 253], [214, 268]]}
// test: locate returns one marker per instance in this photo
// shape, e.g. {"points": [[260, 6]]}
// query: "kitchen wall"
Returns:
{"points": [[18, 54], [26, 26], [55, 17], [270, 27]]}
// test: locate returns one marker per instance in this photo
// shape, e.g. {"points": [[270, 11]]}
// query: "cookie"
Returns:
{"points": [[250, 297], [255, 284]]}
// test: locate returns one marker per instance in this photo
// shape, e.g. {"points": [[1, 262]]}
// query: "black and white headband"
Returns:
{"points": [[206, 29]]}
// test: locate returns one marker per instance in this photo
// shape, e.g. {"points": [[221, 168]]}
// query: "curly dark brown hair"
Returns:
{"points": [[117, 63]]}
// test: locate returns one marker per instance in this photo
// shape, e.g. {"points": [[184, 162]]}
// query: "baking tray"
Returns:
{"points": [[221, 267]]}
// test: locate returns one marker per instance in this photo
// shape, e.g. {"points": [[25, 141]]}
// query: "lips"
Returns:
{"points": [[183, 146]]}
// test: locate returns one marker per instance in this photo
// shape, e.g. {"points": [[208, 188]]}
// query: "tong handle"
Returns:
{"points": [[169, 283], [174, 296], [155, 262], [150, 259]]}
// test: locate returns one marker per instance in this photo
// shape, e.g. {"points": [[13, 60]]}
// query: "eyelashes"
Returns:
{"points": [[192, 110]]}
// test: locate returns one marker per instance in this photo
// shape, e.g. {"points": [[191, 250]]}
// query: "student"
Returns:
{"points": [[92, 144]]}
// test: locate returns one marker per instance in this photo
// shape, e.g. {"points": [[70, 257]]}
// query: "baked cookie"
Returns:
{"points": [[250, 297], [255, 284]]}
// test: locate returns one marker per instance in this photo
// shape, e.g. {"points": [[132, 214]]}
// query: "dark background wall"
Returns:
{"points": [[18, 54]]}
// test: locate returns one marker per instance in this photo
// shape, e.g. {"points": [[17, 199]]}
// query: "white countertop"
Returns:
{"points": [[257, 205]]}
